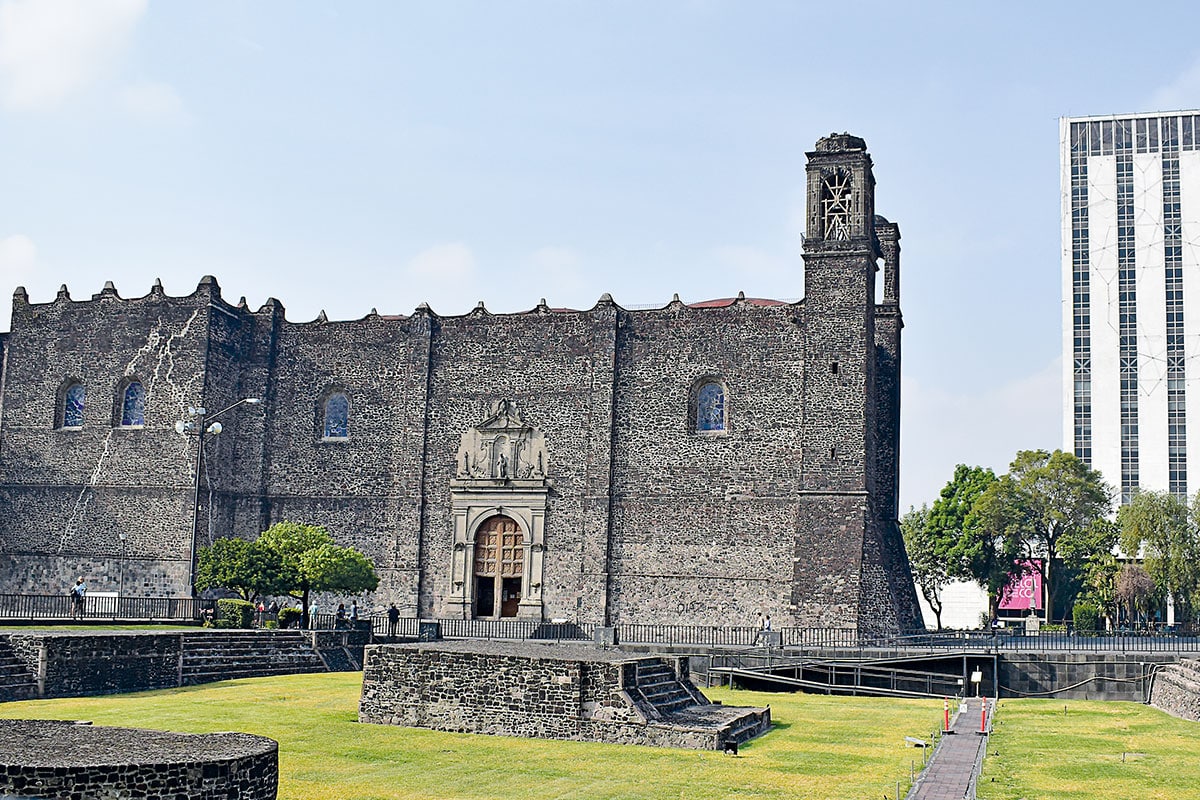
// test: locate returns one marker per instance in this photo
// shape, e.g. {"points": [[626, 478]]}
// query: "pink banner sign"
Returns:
{"points": [[1024, 588]]}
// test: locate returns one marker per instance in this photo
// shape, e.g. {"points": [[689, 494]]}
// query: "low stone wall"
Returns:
{"points": [[1176, 690], [82, 664], [43, 759], [551, 691], [1078, 676]]}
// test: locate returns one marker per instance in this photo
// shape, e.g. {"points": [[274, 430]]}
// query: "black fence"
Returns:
{"points": [[108, 608], [99, 608], [1184, 640]]}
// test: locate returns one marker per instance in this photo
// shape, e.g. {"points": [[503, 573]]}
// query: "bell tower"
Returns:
{"points": [[841, 551], [840, 253]]}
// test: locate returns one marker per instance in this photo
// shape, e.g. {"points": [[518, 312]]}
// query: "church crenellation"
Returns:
{"points": [[695, 463]]}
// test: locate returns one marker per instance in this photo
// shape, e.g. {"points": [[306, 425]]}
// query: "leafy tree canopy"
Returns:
{"points": [[1167, 533], [924, 557], [1047, 506], [247, 568], [313, 562], [969, 551], [948, 517]]}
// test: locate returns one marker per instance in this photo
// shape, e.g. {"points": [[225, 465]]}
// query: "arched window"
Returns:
{"points": [[133, 405], [337, 416], [710, 407], [72, 413]]}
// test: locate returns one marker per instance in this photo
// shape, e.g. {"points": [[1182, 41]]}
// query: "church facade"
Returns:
{"points": [[692, 464]]}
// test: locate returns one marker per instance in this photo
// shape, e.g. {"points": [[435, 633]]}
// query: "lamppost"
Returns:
{"points": [[121, 572], [202, 426]]}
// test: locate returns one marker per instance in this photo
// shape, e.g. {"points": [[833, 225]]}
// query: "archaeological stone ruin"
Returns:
{"points": [[549, 691]]}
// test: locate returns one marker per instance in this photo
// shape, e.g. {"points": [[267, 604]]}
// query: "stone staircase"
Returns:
{"points": [[223, 655], [16, 682], [1176, 689], [662, 690], [670, 701], [342, 651]]}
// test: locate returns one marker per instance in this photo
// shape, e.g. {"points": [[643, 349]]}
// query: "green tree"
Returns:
{"points": [[1167, 533], [927, 562], [1090, 566], [247, 568], [313, 562], [1046, 505], [1100, 576], [970, 551], [1134, 590]]}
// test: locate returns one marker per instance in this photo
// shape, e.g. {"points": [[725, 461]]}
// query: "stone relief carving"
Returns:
{"points": [[502, 447]]}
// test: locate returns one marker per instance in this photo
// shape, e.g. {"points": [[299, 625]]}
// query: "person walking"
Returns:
{"points": [[353, 612]]}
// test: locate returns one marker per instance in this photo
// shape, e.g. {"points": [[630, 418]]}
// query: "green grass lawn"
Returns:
{"points": [[821, 747], [1096, 750]]}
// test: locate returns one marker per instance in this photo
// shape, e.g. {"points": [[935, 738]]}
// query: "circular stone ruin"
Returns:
{"points": [[49, 758]]}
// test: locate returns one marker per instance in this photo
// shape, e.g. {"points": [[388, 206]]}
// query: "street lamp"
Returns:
{"points": [[202, 427], [121, 572]]}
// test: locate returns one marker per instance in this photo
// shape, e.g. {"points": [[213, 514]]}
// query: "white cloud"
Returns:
{"points": [[50, 49], [18, 257], [153, 101], [1181, 93], [978, 425]]}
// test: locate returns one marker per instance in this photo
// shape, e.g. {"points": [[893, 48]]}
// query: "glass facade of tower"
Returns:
{"points": [[1131, 279]]}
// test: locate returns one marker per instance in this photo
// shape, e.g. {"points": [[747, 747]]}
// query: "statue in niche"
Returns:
{"points": [[502, 446]]}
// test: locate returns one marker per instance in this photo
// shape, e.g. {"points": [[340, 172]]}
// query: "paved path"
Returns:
{"points": [[948, 776]]}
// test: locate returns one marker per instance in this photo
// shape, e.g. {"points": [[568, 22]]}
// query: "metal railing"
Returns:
{"points": [[1004, 641], [515, 629], [98, 607]]}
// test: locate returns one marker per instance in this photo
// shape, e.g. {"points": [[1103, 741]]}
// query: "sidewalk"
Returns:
{"points": [[949, 773]]}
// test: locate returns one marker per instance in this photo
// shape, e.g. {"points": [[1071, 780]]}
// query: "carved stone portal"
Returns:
{"points": [[501, 471]]}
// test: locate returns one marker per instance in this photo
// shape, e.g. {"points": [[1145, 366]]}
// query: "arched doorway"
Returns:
{"points": [[499, 564]]}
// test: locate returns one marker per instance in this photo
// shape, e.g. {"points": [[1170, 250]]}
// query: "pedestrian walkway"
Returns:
{"points": [[950, 773]]}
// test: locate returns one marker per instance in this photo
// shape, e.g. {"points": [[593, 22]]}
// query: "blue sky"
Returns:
{"points": [[344, 156]]}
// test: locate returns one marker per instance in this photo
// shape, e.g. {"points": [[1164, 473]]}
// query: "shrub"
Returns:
{"points": [[1086, 617], [234, 613], [289, 617]]}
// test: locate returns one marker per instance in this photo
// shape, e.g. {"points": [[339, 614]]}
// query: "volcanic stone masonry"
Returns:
{"points": [[696, 463], [549, 691], [49, 758]]}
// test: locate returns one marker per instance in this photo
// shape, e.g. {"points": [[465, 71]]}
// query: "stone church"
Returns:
{"points": [[696, 463]]}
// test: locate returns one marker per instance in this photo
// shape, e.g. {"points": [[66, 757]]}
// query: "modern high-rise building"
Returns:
{"points": [[1131, 297]]}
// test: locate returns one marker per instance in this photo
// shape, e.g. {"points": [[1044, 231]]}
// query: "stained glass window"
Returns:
{"points": [[337, 417], [710, 408], [133, 406], [73, 406]]}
